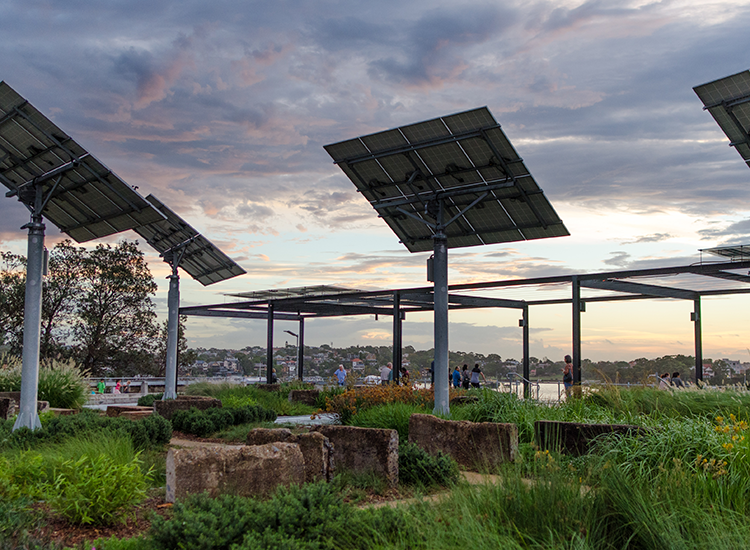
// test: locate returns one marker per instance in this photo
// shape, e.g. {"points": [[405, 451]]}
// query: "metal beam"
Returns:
{"points": [[640, 288], [698, 340], [301, 350], [397, 345], [525, 348], [269, 344], [576, 303], [190, 312]]}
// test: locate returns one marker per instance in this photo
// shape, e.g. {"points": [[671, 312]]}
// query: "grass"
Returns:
{"points": [[61, 383], [236, 395], [238, 434]]}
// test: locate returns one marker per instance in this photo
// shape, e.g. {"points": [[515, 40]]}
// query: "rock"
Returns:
{"points": [[577, 439], [241, 470], [308, 397], [474, 445], [136, 415], [363, 450], [261, 436], [10, 401], [317, 450], [117, 410], [184, 403]]}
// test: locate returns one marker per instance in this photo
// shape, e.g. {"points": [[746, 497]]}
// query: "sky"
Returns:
{"points": [[221, 109]]}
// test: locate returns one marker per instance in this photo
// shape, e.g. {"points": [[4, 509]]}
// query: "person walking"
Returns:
{"points": [[476, 372], [677, 381], [386, 374], [101, 387], [465, 377], [457, 377], [568, 376], [341, 375]]}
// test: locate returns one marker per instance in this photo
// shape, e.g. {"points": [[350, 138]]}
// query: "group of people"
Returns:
{"points": [[119, 387], [466, 378], [386, 375], [665, 382]]}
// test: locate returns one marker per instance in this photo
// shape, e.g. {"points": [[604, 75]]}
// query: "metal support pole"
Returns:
{"points": [[526, 364], [32, 320], [396, 336], [269, 345], [440, 275], [576, 331], [301, 350], [173, 334], [698, 340]]}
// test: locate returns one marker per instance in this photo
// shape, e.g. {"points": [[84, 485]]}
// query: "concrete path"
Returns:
{"points": [[305, 420]]}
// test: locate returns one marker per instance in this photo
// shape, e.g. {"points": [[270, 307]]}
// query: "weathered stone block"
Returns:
{"points": [[118, 410], [474, 445], [9, 403], [136, 415], [241, 470], [577, 439], [364, 450], [261, 436], [183, 403], [317, 450], [308, 397]]}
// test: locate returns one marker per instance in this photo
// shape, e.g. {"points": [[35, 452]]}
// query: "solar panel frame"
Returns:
{"points": [[202, 260], [728, 101], [457, 159], [87, 200]]}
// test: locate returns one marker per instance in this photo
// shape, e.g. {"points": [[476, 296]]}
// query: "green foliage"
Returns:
{"points": [[151, 431], [205, 423], [304, 518], [113, 543], [393, 416], [418, 467], [236, 396], [96, 490], [148, 399], [62, 383], [17, 520]]}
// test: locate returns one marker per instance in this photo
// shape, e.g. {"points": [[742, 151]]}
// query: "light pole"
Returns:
{"points": [[297, 346]]}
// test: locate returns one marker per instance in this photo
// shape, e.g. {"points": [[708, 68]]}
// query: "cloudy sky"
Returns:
{"points": [[221, 110]]}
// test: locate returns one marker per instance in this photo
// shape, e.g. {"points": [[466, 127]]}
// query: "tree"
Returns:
{"points": [[12, 296], [115, 324]]}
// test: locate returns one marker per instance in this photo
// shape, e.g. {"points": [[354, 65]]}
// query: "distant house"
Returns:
{"points": [[357, 364]]}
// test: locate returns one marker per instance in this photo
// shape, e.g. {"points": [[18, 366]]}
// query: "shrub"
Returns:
{"points": [[392, 416], [148, 399], [345, 405], [418, 467], [62, 383], [205, 423], [96, 490]]}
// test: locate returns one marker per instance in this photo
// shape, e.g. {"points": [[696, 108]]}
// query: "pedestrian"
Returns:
{"points": [[465, 377], [274, 378], [568, 376], [341, 375], [476, 372], [404, 376], [101, 387], [386, 374], [117, 387], [432, 374], [457, 377], [677, 381], [664, 381]]}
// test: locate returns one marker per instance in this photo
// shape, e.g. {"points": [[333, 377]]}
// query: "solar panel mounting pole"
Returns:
{"points": [[32, 313], [440, 307]]}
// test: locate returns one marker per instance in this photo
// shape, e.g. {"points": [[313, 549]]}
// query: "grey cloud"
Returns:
{"points": [[733, 234], [619, 259], [653, 238]]}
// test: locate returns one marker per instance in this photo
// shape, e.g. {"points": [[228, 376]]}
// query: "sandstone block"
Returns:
{"points": [[474, 445], [117, 410], [364, 450], [241, 470], [184, 403], [308, 397], [317, 450], [577, 439]]}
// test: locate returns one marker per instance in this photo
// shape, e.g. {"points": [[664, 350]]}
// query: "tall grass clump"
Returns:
{"points": [[392, 416], [235, 395], [61, 383]]}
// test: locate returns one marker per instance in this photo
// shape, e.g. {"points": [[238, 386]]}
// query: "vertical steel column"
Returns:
{"points": [[32, 320], [576, 331], [269, 345], [301, 349], [440, 275], [173, 332], [526, 364], [698, 339], [396, 336]]}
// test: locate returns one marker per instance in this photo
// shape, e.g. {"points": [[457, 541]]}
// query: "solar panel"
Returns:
{"points": [[86, 199], [734, 253], [728, 101], [466, 162], [201, 259]]}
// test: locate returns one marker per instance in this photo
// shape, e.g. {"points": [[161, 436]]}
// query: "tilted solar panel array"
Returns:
{"points": [[88, 200], [203, 261], [728, 101], [458, 159]]}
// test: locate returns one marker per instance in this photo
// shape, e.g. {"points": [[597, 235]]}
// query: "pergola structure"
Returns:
{"points": [[690, 282]]}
